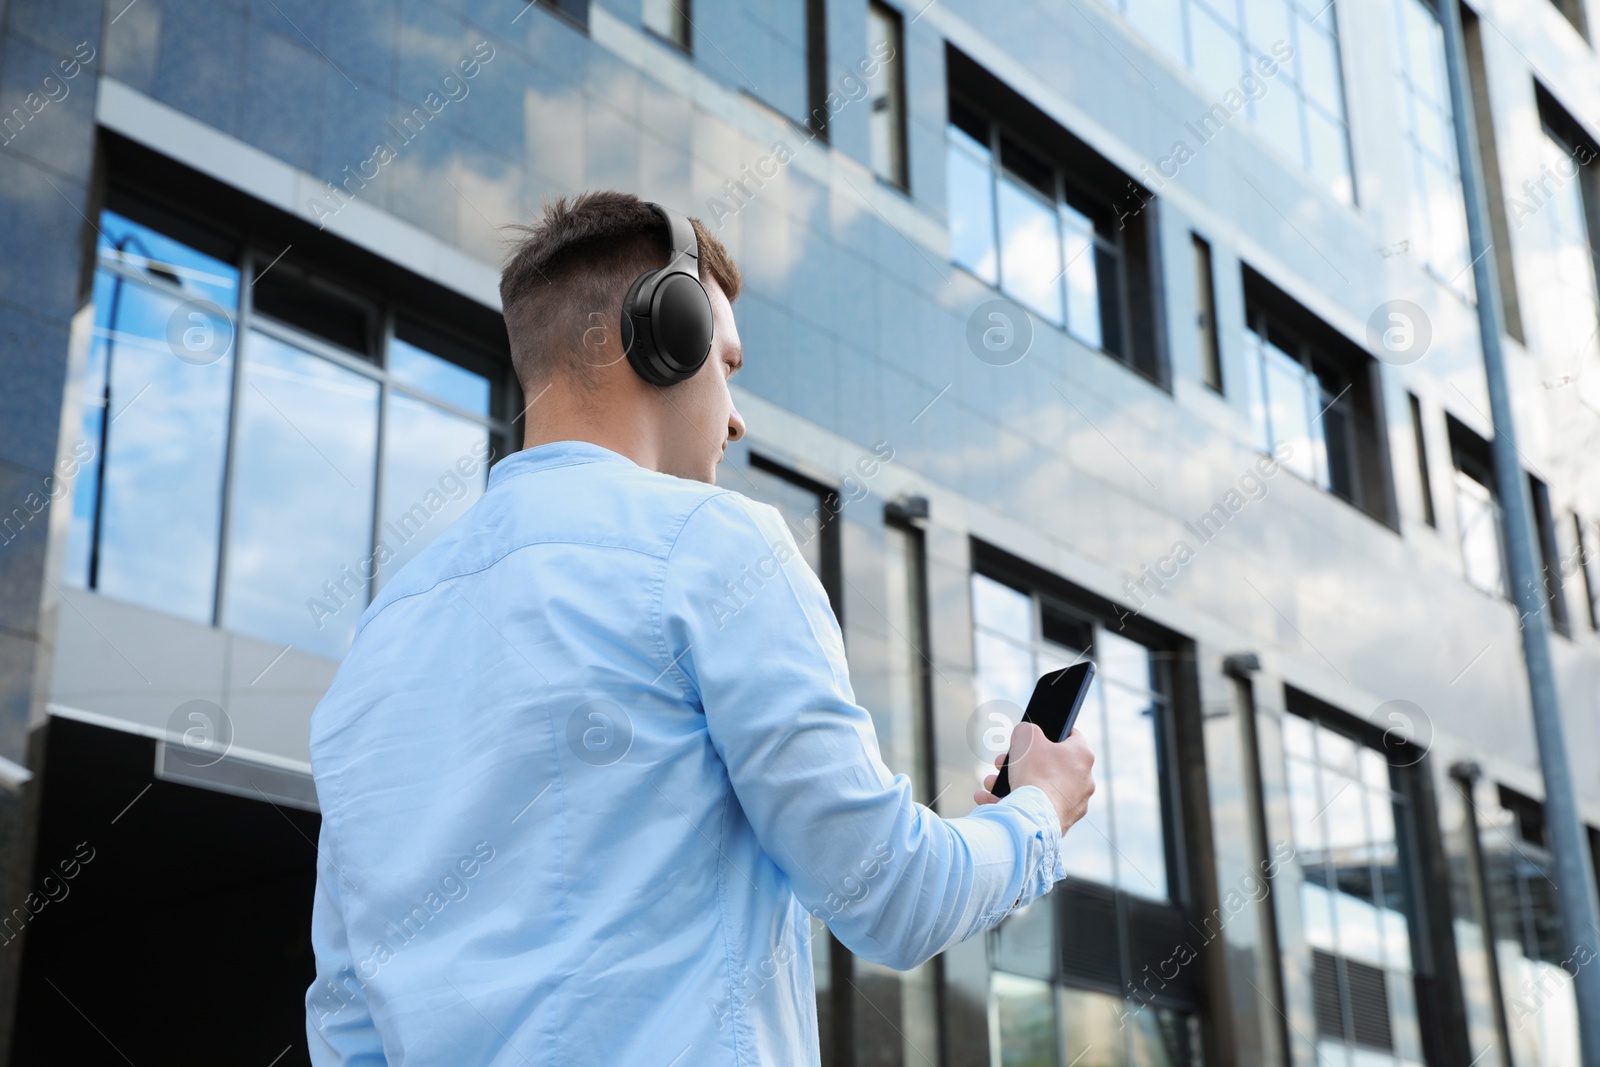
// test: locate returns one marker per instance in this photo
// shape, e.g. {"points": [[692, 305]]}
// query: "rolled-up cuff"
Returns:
{"points": [[1041, 865]]}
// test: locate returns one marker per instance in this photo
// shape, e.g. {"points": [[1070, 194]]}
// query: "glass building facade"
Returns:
{"points": [[1057, 334]]}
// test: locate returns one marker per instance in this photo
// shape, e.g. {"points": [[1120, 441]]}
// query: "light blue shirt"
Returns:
{"points": [[592, 759]]}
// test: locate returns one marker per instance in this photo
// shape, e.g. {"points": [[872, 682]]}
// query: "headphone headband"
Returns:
{"points": [[680, 232]]}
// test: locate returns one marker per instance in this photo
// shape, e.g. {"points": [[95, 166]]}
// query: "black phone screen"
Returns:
{"points": [[1054, 707]]}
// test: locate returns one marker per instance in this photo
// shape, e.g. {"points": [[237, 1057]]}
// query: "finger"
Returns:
{"points": [[998, 760], [989, 780], [981, 797]]}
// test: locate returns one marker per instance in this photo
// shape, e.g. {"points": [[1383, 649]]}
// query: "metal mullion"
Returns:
{"points": [[317, 347], [1352, 445], [1169, 759], [1262, 381], [488, 422], [1096, 628], [333, 353], [241, 329]]}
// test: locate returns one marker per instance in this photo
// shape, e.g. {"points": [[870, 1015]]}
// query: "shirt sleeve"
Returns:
{"points": [[339, 1027], [749, 626]]}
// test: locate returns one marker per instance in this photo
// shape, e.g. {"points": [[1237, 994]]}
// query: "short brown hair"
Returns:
{"points": [[562, 287]]}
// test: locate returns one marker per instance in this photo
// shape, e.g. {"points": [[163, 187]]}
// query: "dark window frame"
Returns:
{"points": [[901, 150], [1544, 527], [1429, 515], [1489, 154], [837, 1031], [1421, 860], [255, 237], [1587, 533], [574, 13], [1473, 457], [1184, 807], [816, 18], [1572, 11], [1558, 124], [1206, 314], [1333, 360], [1122, 212], [685, 10]]}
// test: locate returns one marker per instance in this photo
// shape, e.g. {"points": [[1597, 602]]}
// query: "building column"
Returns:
{"points": [[46, 237]]}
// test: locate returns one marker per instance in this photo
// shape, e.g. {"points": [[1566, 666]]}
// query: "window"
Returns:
{"points": [[904, 725], [1205, 300], [1064, 968], [1043, 223], [1225, 42], [1478, 519], [775, 54], [265, 455], [1018, 638], [1495, 193], [816, 73], [574, 11], [868, 1015], [1352, 814], [1424, 481], [810, 511], [1587, 538], [668, 19], [896, 1013], [147, 507], [1022, 232], [887, 92], [1556, 219], [1572, 11], [1535, 968], [1312, 399], [1544, 523], [1438, 210]]}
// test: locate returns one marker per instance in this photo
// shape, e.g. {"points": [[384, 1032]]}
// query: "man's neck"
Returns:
{"points": [[628, 437]]}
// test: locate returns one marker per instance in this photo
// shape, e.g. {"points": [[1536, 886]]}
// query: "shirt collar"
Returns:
{"points": [[552, 454]]}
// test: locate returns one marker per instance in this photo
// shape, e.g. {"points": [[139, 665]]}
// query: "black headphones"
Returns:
{"points": [[666, 315]]}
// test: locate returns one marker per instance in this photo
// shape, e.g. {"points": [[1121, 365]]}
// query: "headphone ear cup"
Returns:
{"points": [[680, 325]]}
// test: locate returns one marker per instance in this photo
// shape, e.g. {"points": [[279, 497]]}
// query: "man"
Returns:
{"points": [[574, 811]]}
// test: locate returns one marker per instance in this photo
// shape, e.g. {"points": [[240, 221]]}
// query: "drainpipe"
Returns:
{"points": [[1575, 887]]}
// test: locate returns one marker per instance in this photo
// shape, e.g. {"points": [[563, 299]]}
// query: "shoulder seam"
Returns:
{"points": [[501, 559], [720, 493], [661, 593]]}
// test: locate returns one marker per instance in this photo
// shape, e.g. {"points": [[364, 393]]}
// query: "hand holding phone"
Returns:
{"points": [[1057, 698]]}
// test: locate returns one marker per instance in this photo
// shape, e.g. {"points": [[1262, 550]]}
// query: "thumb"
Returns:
{"points": [[1023, 738]]}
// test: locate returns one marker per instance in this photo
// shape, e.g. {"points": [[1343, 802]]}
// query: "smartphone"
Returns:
{"points": [[1054, 707]]}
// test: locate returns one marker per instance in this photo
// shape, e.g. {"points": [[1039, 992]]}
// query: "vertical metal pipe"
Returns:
{"points": [[1574, 874]]}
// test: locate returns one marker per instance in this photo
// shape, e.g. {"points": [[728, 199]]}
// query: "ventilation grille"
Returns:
{"points": [[1369, 1005], [1368, 1001], [1089, 949], [1325, 994], [1165, 952]]}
